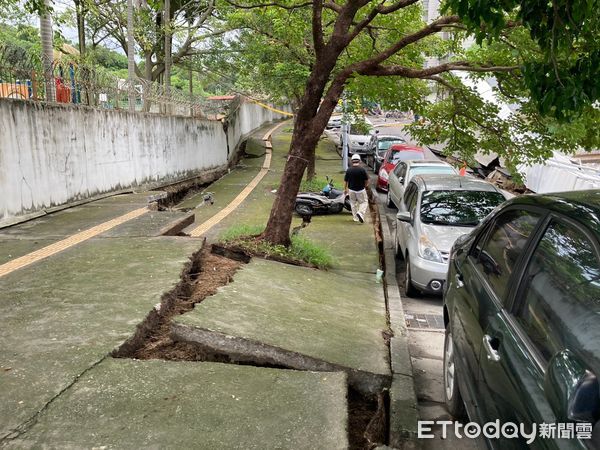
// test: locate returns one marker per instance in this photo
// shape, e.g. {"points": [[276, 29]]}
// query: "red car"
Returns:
{"points": [[397, 152]]}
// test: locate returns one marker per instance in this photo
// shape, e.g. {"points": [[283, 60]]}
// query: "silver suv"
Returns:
{"points": [[435, 211]]}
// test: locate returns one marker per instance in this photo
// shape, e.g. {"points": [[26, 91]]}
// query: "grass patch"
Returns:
{"points": [[301, 249], [315, 185]]}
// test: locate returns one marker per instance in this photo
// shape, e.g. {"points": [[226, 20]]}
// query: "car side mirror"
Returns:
{"points": [[404, 216], [401, 179], [571, 389]]}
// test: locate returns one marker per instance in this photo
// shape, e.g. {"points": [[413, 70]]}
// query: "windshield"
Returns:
{"points": [[431, 169], [382, 146], [459, 208], [405, 155], [360, 129]]}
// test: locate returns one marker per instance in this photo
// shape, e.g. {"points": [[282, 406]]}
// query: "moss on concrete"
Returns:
{"points": [[156, 404]]}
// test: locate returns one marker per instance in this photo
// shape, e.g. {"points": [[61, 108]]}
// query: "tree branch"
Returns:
{"points": [[409, 72], [433, 27], [317, 27], [377, 10], [266, 5], [441, 81]]}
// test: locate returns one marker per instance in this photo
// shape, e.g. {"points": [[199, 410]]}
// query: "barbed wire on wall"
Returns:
{"points": [[22, 76]]}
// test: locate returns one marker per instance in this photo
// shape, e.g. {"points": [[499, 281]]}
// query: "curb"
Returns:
{"points": [[403, 400]]}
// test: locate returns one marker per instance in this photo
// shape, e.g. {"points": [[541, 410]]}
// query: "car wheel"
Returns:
{"points": [[397, 249], [452, 397], [409, 288], [390, 203], [303, 209]]}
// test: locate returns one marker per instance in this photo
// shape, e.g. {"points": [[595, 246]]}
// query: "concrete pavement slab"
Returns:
{"points": [[132, 404], [297, 316], [72, 220], [351, 243], [60, 316]]}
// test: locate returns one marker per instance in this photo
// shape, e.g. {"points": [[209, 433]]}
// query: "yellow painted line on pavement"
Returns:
{"points": [[207, 225], [75, 239]]}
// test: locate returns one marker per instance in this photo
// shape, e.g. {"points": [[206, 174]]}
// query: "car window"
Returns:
{"points": [[410, 197], [383, 146], [359, 129], [400, 170], [431, 169], [406, 155], [561, 300], [498, 255], [458, 208]]}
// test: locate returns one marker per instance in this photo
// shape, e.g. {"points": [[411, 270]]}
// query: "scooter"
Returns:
{"points": [[328, 201]]}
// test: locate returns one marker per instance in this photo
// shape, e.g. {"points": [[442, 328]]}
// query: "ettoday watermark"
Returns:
{"points": [[508, 430]]}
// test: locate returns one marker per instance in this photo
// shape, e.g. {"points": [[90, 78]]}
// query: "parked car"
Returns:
{"points": [[361, 138], [394, 154], [334, 123], [522, 316], [405, 170], [435, 210], [380, 146]]}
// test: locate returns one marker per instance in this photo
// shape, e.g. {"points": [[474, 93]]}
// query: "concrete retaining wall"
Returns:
{"points": [[55, 154]]}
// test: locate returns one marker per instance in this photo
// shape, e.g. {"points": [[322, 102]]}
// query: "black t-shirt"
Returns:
{"points": [[356, 177]]}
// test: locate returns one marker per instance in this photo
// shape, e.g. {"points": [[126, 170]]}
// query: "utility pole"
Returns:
{"points": [[345, 126]]}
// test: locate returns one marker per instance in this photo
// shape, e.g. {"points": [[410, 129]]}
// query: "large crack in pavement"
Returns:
{"points": [[240, 350], [157, 337]]}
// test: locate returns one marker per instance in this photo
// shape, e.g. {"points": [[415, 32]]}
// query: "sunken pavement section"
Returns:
{"points": [[296, 343]]}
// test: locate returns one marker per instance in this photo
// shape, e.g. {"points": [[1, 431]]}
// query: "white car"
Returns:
{"points": [[435, 211], [335, 123], [361, 138]]}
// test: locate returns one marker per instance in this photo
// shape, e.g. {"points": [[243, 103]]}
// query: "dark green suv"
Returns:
{"points": [[522, 315]]}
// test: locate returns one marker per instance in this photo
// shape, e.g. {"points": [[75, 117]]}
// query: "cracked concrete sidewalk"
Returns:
{"points": [[60, 319]]}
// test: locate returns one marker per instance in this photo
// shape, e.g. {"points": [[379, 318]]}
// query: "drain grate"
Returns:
{"points": [[424, 321]]}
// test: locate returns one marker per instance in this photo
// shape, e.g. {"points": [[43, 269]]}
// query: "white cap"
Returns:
{"points": [[356, 157]]}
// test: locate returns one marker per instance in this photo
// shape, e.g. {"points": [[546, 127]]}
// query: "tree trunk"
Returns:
{"points": [[148, 85], [47, 51], [310, 123], [310, 169], [80, 11], [278, 226], [307, 131], [130, 56], [168, 36]]}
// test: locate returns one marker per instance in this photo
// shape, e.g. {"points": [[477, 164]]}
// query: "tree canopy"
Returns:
{"points": [[312, 51]]}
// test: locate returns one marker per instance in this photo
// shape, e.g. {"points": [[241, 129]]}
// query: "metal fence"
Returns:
{"points": [[22, 76]]}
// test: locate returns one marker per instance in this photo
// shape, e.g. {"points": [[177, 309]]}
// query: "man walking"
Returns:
{"points": [[356, 183]]}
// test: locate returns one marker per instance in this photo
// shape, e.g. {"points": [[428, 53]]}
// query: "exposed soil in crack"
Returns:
{"points": [[202, 276], [367, 421]]}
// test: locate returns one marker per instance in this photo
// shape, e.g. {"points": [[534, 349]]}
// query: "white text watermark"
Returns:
{"points": [[508, 430]]}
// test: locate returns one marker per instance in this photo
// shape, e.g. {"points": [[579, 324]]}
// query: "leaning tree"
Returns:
{"points": [[352, 43]]}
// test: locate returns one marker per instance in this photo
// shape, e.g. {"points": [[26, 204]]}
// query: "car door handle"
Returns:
{"points": [[459, 280], [488, 345]]}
